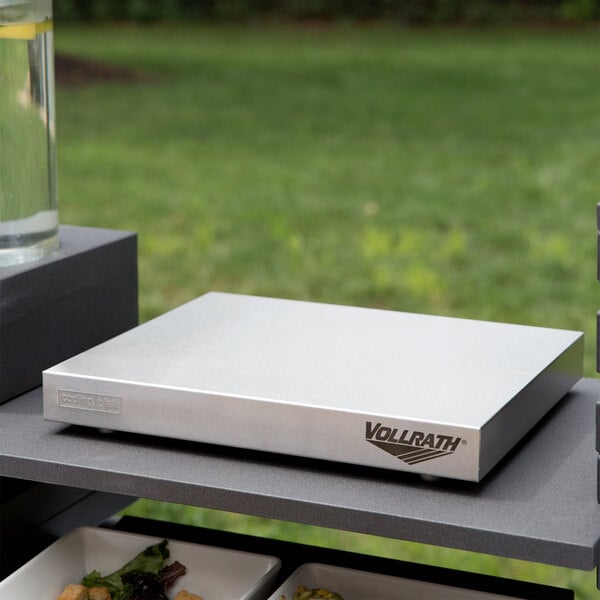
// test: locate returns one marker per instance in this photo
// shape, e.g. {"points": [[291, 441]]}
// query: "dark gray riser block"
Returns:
{"points": [[598, 426], [598, 342], [598, 261], [598, 503], [54, 308]]}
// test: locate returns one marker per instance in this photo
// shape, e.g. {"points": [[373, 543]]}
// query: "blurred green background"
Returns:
{"points": [[368, 161]]}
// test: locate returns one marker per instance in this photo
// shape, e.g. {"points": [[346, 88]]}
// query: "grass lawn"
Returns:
{"points": [[448, 172]]}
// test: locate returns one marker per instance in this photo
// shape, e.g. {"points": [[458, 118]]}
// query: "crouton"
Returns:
{"points": [[99, 593], [185, 595], [74, 592]]}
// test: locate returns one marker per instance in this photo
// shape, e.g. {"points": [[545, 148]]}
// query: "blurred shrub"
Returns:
{"points": [[409, 12], [578, 10]]}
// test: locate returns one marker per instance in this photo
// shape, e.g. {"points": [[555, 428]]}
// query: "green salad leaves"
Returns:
{"points": [[145, 577]]}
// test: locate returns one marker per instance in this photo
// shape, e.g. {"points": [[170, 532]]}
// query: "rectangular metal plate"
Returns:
{"points": [[435, 395]]}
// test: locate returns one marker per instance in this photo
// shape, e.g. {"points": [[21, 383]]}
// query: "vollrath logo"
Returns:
{"points": [[108, 404], [412, 447]]}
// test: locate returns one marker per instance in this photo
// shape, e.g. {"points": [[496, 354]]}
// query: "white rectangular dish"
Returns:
{"points": [[213, 573], [360, 585]]}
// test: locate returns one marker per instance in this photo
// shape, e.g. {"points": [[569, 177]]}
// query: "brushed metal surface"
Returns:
{"points": [[305, 378]]}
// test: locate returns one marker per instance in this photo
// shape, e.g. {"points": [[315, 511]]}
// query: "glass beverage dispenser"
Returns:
{"points": [[28, 187]]}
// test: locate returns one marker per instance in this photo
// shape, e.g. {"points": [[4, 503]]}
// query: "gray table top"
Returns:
{"points": [[538, 504]]}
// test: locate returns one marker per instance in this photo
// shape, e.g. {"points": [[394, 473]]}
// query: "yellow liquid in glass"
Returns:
{"points": [[24, 31]]}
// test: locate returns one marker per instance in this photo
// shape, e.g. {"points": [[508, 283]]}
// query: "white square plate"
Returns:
{"points": [[213, 573], [359, 585]]}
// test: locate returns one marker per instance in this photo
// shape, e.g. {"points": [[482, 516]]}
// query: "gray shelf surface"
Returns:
{"points": [[539, 504]]}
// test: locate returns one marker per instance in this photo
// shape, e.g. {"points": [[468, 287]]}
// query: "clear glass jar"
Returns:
{"points": [[28, 188]]}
